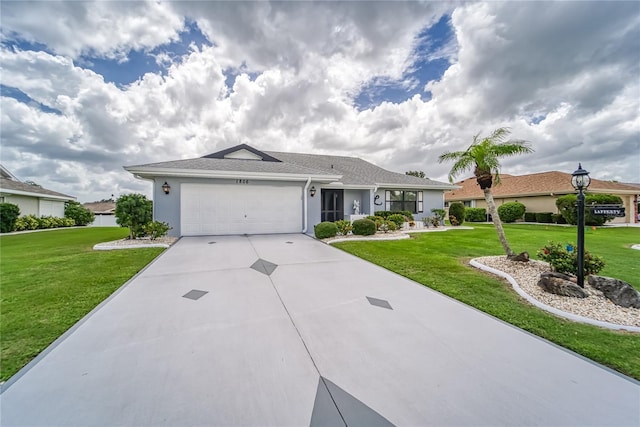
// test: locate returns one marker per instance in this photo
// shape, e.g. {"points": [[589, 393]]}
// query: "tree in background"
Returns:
{"points": [[483, 157], [419, 174], [78, 213], [134, 211]]}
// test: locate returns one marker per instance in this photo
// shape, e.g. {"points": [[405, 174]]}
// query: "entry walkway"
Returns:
{"points": [[283, 330]]}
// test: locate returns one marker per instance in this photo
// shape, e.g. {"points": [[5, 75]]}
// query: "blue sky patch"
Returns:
{"points": [[18, 95], [429, 65], [139, 62]]}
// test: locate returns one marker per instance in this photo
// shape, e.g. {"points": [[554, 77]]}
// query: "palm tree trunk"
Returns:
{"points": [[496, 221]]}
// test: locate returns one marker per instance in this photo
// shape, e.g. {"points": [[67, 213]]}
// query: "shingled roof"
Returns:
{"points": [[16, 187], [350, 171], [537, 184]]}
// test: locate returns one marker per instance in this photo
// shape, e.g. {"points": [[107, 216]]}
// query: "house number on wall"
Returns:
{"points": [[242, 181]]}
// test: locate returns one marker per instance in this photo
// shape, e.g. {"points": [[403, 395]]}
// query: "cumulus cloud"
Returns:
{"points": [[284, 76]]}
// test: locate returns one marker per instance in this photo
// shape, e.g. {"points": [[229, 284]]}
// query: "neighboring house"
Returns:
{"points": [[104, 213], [242, 190], [539, 191], [31, 199]]}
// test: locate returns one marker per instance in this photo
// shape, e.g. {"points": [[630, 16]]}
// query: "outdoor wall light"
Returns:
{"points": [[312, 191], [166, 187], [580, 181]]}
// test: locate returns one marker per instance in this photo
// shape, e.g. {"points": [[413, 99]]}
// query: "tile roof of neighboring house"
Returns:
{"points": [[347, 170], [544, 183], [101, 207], [16, 187]]}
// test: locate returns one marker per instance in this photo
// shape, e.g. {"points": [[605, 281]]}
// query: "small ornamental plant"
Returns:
{"points": [[564, 259], [344, 227]]}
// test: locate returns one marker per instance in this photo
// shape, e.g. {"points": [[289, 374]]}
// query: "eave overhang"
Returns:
{"points": [[150, 173]]}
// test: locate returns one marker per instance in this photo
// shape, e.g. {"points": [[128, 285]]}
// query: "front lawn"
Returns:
{"points": [[440, 261], [50, 280]]}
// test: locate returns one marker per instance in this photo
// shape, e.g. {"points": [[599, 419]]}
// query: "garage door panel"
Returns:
{"points": [[240, 209]]}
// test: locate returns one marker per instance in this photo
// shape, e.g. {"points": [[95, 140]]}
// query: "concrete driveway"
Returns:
{"points": [[308, 336]]}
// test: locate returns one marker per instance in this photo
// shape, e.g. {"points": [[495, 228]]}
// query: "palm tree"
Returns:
{"points": [[483, 156]]}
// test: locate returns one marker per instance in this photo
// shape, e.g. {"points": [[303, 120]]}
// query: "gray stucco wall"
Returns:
{"points": [[166, 207], [431, 199]]}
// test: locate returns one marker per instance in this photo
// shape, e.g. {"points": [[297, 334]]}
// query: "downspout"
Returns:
{"points": [[372, 204], [304, 205]]}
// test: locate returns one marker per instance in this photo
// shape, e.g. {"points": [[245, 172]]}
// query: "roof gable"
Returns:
{"points": [[241, 152], [5, 173]]}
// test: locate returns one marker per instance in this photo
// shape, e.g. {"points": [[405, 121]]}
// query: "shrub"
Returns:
{"points": [[156, 229], [453, 220], [440, 214], [45, 222], [530, 217], [390, 225], [456, 210], [364, 227], [475, 215], [344, 226], [565, 261], [134, 211], [567, 206], [387, 214], [399, 219], [28, 222], [9, 213], [78, 213], [544, 217], [510, 212], [325, 229], [378, 220], [558, 219]]}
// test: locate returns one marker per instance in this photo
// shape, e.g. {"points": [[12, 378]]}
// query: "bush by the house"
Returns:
{"points": [[390, 225], [564, 261], [511, 212], [567, 207], [78, 213], [9, 213], [558, 219], [544, 217], [398, 219], [378, 220], [475, 215], [32, 222], [134, 211], [364, 227], [155, 229], [530, 217], [325, 229], [344, 226], [453, 220], [456, 210], [387, 214]]}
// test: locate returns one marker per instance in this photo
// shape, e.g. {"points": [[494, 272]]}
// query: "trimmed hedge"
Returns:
{"points": [[9, 213], [544, 217], [398, 219], [387, 214], [510, 212], [325, 229], [475, 215], [457, 210], [530, 217], [364, 227], [567, 207], [558, 219]]}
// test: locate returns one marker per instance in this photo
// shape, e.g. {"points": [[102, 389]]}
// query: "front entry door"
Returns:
{"points": [[332, 205]]}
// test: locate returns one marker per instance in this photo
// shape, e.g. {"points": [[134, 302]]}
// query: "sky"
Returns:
{"points": [[87, 88]]}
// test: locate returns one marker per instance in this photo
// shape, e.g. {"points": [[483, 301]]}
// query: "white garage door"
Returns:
{"points": [[207, 209]]}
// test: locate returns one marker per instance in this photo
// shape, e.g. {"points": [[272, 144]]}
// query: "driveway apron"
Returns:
{"points": [[282, 330]]}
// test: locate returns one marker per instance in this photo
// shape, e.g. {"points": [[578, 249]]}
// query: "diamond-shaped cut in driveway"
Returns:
{"points": [[303, 345]]}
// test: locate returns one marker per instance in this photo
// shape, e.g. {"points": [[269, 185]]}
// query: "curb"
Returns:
{"points": [[548, 308]]}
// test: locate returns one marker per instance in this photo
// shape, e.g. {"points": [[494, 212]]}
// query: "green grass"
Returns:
{"points": [[50, 280], [439, 261]]}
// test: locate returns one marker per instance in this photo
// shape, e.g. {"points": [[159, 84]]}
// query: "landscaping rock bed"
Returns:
{"points": [[160, 242], [596, 306]]}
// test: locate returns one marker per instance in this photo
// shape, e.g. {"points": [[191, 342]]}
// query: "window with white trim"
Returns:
{"points": [[404, 200]]}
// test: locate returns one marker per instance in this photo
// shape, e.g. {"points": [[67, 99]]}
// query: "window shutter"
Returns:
{"points": [[387, 198], [420, 209]]}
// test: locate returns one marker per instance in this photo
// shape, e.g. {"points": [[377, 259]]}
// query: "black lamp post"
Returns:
{"points": [[580, 181]]}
